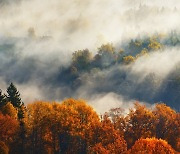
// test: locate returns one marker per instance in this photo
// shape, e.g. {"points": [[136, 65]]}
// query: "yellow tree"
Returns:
{"points": [[86, 119], [37, 112], [10, 110], [154, 44], [128, 59]]}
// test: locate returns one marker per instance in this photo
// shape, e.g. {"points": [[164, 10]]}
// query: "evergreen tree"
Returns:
{"points": [[2, 99], [14, 96]]}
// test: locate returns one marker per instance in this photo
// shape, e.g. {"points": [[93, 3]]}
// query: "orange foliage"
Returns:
{"points": [[3, 148], [168, 124], [8, 128], [98, 149], [74, 127], [151, 146], [141, 124], [108, 137], [56, 125], [10, 110]]}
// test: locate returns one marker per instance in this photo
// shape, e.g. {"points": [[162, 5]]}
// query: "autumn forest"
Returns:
{"points": [[72, 126], [89, 77]]}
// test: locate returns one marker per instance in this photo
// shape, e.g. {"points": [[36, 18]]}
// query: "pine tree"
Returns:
{"points": [[14, 96], [2, 99]]}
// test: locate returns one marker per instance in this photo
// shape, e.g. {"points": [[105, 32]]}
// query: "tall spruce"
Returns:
{"points": [[14, 96]]}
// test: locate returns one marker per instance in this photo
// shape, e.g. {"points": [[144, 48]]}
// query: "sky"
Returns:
{"points": [[38, 38]]}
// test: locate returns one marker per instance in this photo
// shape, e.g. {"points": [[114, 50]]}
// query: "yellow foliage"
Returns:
{"points": [[106, 48], [8, 109], [154, 45], [128, 59]]}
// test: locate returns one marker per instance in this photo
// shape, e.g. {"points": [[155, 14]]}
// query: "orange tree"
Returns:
{"points": [[167, 124], [140, 124], [151, 146], [107, 138], [61, 127], [8, 129]]}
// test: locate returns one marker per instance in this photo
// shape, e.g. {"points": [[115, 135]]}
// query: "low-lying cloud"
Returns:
{"points": [[37, 40]]}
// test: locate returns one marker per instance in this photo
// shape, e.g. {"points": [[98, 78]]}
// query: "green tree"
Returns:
{"points": [[14, 96], [2, 99], [15, 99], [106, 55], [81, 60]]}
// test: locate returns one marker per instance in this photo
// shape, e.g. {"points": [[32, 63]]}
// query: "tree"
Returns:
{"points": [[60, 127], [128, 59], [106, 56], [82, 127], [167, 125], [8, 129], [154, 44], [81, 60], [14, 96], [135, 46], [118, 119], [3, 148], [10, 110], [38, 126], [2, 99], [141, 124], [107, 138], [98, 149], [151, 146]]}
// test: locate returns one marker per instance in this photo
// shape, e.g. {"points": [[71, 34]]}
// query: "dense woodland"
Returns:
{"points": [[121, 57], [72, 126], [105, 70], [109, 70]]}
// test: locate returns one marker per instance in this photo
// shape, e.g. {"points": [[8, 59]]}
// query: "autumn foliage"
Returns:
{"points": [[151, 146], [74, 127]]}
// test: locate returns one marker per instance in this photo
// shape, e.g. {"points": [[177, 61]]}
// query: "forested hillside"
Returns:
{"points": [[145, 68], [72, 126], [89, 77]]}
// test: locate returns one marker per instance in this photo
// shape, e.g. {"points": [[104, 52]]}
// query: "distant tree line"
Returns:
{"points": [[107, 55]]}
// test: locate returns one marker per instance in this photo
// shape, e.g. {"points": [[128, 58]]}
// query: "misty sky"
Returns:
{"points": [[38, 38]]}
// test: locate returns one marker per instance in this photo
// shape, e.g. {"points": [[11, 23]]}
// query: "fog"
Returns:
{"points": [[38, 38]]}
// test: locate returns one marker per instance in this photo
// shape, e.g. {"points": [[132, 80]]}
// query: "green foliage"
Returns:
{"points": [[14, 96], [106, 49], [2, 99], [81, 60]]}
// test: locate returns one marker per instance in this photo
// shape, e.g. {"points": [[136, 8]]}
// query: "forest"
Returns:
{"points": [[72, 126], [89, 77], [144, 68]]}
